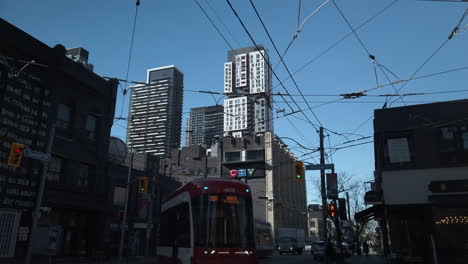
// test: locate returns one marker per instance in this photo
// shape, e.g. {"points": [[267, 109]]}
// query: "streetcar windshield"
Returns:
{"points": [[223, 220]]}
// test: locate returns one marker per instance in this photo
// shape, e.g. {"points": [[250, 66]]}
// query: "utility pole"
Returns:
{"points": [[205, 171], [149, 227], [37, 208], [322, 185], [124, 221], [349, 209]]}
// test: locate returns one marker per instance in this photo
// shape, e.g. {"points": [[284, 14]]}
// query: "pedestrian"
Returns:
{"points": [[329, 252], [365, 248]]}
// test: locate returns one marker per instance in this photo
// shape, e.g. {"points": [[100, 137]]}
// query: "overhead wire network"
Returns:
{"points": [[405, 81], [124, 90], [227, 42], [452, 34], [268, 63], [372, 57], [282, 61], [339, 41]]}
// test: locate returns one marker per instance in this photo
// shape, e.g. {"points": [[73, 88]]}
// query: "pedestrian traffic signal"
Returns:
{"points": [[298, 170], [16, 154], [143, 184], [332, 210]]}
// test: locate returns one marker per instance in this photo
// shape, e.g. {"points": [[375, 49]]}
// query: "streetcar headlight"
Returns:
{"points": [[290, 247]]}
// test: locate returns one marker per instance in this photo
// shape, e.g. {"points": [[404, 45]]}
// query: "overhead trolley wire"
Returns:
{"points": [[268, 62], [124, 92], [453, 33], [284, 64], [339, 41], [299, 29], [372, 57]]}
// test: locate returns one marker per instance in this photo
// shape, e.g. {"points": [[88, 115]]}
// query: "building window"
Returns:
{"points": [[54, 170], [63, 116], [398, 151], [255, 154], [232, 156], [312, 224], [90, 126], [119, 195], [83, 175], [453, 147]]}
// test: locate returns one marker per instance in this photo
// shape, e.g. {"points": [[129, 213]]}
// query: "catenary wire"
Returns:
{"points": [[124, 92], [267, 61], [341, 40], [282, 61], [454, 31]]}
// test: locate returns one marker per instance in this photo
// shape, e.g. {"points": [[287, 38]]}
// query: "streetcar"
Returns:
{"points": [[264, 243], [208, 221]]}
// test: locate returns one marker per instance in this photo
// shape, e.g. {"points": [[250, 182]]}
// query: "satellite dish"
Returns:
{"points": [[117, 150]]}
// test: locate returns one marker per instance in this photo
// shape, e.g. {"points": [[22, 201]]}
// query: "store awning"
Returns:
{"points": [[369, 213]]}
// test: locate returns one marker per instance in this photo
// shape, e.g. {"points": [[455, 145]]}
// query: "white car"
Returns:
{"points": [[308, 247]]}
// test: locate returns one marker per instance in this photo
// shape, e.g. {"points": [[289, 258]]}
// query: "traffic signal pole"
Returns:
{"points": [[127, 193], [42, 180], [322, 186]]}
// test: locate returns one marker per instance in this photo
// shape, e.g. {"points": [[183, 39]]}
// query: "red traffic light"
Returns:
{"points": [[332, 210]]}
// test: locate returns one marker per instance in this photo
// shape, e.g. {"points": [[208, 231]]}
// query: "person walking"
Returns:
{"points": [[329, 252]]}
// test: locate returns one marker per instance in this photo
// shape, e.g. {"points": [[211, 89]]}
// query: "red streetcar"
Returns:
{"points": [[208, 221]]}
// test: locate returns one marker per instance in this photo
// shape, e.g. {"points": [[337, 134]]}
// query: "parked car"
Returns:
{"points": [[318, 250], [308, 247]]}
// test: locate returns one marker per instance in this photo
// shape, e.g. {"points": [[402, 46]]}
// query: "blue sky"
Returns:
{"points": [[177, 32]]}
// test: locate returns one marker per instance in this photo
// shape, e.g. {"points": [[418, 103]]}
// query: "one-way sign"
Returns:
{"points": [[36, 155]]}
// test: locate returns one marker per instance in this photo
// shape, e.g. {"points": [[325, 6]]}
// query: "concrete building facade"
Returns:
{"points": [[204, 124], [268, 165], [52, 91], [247, 84], [155, 115], [421, 176]]}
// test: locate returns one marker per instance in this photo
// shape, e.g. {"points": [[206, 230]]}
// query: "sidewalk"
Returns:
{"points": [[366, 260], [62, 260]]}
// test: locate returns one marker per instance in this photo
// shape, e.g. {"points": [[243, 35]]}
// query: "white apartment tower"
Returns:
{"points": [[247, 84]]}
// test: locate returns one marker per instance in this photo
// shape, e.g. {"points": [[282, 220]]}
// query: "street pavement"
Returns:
{"points": [[308, 259]]}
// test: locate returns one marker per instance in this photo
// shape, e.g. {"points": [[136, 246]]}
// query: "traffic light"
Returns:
{"points": [[331, 210], [16, 154], [143, 184], [342, 209], [298, 170]]}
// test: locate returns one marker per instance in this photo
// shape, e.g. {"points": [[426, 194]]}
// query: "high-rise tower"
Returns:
{"points": [[155, 116], [247, 84]]}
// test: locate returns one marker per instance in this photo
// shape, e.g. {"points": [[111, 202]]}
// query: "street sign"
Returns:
{"points": [[242, 173], [37, 155], [250, 171], [320, 166]]}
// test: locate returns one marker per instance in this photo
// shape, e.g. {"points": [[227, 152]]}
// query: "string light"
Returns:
{"points": [[453, 220]]}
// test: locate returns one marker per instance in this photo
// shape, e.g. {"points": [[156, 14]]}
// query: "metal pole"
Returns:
{"points": [[206, 166], [349, 209], [36, 212], [149, 227], [124, 221], [322, 185]]}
